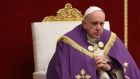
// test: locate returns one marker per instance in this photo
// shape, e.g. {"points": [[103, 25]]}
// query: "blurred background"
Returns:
{"points": [[16, 16]]}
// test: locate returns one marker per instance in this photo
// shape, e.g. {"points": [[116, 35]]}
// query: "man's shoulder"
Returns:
{"points": [[108, 33], [78, 34], [75, 31]]}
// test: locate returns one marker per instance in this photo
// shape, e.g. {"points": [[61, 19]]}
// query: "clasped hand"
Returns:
{"points": [[101, 63]]}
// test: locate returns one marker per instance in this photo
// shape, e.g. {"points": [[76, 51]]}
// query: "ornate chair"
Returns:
{"points": [[46, 33]]}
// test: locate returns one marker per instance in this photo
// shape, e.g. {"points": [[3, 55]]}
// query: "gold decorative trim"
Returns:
{"points": [[66, 14], [126, 23], [110, 43], [77, 46], [83, 75], [85, 51]]}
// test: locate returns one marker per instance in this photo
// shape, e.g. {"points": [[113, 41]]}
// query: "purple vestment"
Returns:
{"points": [[70, 63]]}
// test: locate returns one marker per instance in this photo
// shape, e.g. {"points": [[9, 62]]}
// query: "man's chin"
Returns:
{"points": [[95, 37]]}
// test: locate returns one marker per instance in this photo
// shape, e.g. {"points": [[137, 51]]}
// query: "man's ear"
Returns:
{"points": [[84, 24]]}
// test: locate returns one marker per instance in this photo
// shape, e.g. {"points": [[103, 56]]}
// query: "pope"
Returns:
{"points": [[91, 52]]}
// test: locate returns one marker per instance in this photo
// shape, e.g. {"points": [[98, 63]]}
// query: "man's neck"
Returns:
{"points": [[91, 40]]}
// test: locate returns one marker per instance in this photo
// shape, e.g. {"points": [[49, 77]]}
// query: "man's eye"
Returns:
{"points": [[102, 23], [94, 23]]}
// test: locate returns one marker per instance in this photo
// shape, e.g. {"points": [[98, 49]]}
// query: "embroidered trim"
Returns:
{"points": [[85, 51], [110, 43], [77, 46], [83, 75]]}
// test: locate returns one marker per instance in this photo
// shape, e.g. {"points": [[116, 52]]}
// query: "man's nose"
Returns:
{"points": [[99, 27]]}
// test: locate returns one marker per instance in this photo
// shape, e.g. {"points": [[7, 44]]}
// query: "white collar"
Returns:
{"points": [[91, 40]]}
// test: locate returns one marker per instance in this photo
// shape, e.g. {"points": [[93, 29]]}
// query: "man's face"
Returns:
{"points": [[93, 24]]}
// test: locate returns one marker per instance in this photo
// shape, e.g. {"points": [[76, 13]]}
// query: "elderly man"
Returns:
{"points": [[91, 52]]}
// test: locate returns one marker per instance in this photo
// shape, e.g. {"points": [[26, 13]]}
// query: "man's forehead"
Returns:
{"points": [[97, 21]]}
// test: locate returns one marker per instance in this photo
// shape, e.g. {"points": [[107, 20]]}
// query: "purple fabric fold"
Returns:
{"points": [[68, 62]]}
